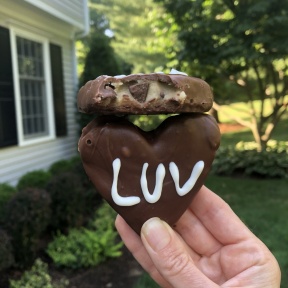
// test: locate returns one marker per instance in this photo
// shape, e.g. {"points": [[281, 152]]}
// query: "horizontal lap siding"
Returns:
{"points": [[16, 161], [72, 8]]}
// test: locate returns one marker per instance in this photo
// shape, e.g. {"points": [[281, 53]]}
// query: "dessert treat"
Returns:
{"points": [[148, 174], [154, 93]]}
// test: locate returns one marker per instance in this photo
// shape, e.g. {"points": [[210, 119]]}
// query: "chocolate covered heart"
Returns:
{"points": [[149, 174]]}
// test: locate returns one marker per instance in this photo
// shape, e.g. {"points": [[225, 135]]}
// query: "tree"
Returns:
{"points": [[239, 41], [142, 33], [96, 56]]}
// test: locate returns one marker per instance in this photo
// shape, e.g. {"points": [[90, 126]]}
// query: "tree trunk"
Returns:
{"points": [[213, 112]]}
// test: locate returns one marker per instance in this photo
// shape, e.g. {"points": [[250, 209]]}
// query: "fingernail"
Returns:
{"points": [[156, 233]]}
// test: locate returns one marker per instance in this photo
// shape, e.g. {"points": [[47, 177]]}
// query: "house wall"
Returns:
{"points": [[72, 11], [16, 161]]}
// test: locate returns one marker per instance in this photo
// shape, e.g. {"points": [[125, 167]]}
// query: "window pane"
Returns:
{"points": [[32, 87]]}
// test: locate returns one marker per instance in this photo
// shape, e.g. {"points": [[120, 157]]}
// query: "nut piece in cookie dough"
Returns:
{"points": [[154, 93]]}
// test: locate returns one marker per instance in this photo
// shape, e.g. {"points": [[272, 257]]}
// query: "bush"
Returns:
{"points": [[60, 167], [6, 251], [34, 179], [266, 164], [28, 214], [87, 247], [6, 193], [38, 277], [71, 202]]}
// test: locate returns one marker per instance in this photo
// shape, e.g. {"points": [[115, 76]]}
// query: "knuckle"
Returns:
{"points": [[175, 262]]}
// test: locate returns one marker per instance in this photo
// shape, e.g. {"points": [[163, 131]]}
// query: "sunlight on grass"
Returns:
{"points": [[242, 109]]}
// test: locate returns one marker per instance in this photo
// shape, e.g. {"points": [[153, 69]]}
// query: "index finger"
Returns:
{"points": [[218, 218]]}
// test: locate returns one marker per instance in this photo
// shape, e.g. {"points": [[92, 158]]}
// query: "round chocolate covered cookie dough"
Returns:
{"points": [[148, 174]]}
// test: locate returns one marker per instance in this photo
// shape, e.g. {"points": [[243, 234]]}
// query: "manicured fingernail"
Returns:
{"points": [[156, 233]]}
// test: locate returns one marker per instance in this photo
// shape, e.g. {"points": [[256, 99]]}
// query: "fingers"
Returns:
{"points": [[171, 257], [196, 235], [218, 218]]}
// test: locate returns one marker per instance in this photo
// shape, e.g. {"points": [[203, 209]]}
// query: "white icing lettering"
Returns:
{"points": [[119, 200], [160, 174], [197, 170]]}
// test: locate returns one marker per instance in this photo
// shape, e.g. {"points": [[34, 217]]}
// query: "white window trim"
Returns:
{"points": [[48, 87]]}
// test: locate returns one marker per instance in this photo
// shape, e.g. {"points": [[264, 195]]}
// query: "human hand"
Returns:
{"points": [[208, 247]]}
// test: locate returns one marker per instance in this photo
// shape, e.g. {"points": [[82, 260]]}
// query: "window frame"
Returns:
{"points": [[49, 105]]}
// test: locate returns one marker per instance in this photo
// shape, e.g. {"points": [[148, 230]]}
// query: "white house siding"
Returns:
{"points": [[72, 11], [16, 161]]}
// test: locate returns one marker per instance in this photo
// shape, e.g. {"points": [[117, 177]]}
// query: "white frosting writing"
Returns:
{"points": [[197, 170], [160, 174], [119, 200]]}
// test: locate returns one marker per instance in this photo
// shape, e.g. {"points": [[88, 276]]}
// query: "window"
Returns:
{"points": [[32, 98], [34, 104], [32, 88]]}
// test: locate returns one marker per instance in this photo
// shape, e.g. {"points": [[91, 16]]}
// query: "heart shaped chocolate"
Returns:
{"points": [[149, 174]]}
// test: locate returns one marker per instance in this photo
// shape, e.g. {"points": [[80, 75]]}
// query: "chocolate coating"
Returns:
{"points": [[153, 93], [184, 139]]}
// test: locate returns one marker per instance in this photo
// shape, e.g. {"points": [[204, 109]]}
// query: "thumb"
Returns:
{"points": [[171, 257]]}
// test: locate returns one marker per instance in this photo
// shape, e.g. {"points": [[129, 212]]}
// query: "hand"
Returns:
{"points": [[208, 247]]}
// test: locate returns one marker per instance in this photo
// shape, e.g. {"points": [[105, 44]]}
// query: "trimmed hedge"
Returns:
{"points": [[267, 164], [6, 251], [28, 214]]}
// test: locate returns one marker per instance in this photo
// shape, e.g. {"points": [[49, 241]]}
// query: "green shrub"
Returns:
{"points": [[266, 164], [60, 167], [87, 247], [34, 179], [6, 193], [28, 214], [71, 202], [6, 251], [38, 277]]}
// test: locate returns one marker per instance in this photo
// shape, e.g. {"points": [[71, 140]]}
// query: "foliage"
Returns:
{"points": [[87, 247], [266, 164], [60, 167], [28, 214], [239, 42], [71, 202], [34, 179], [147, 123], [146, 281], [6, 251], [6, 193], [144, 40], [38, 277]]}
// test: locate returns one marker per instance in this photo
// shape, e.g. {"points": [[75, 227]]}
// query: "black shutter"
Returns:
{"points": [[58, 90], [8, 128]]}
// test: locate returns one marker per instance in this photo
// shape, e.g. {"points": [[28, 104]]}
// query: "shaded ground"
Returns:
{"points": [[115, 273]]}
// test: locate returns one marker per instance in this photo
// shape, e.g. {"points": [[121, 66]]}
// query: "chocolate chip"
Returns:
{"points": [[139, 91]]}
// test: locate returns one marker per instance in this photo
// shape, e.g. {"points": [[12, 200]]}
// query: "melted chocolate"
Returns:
{"points": [[183, 139]]}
